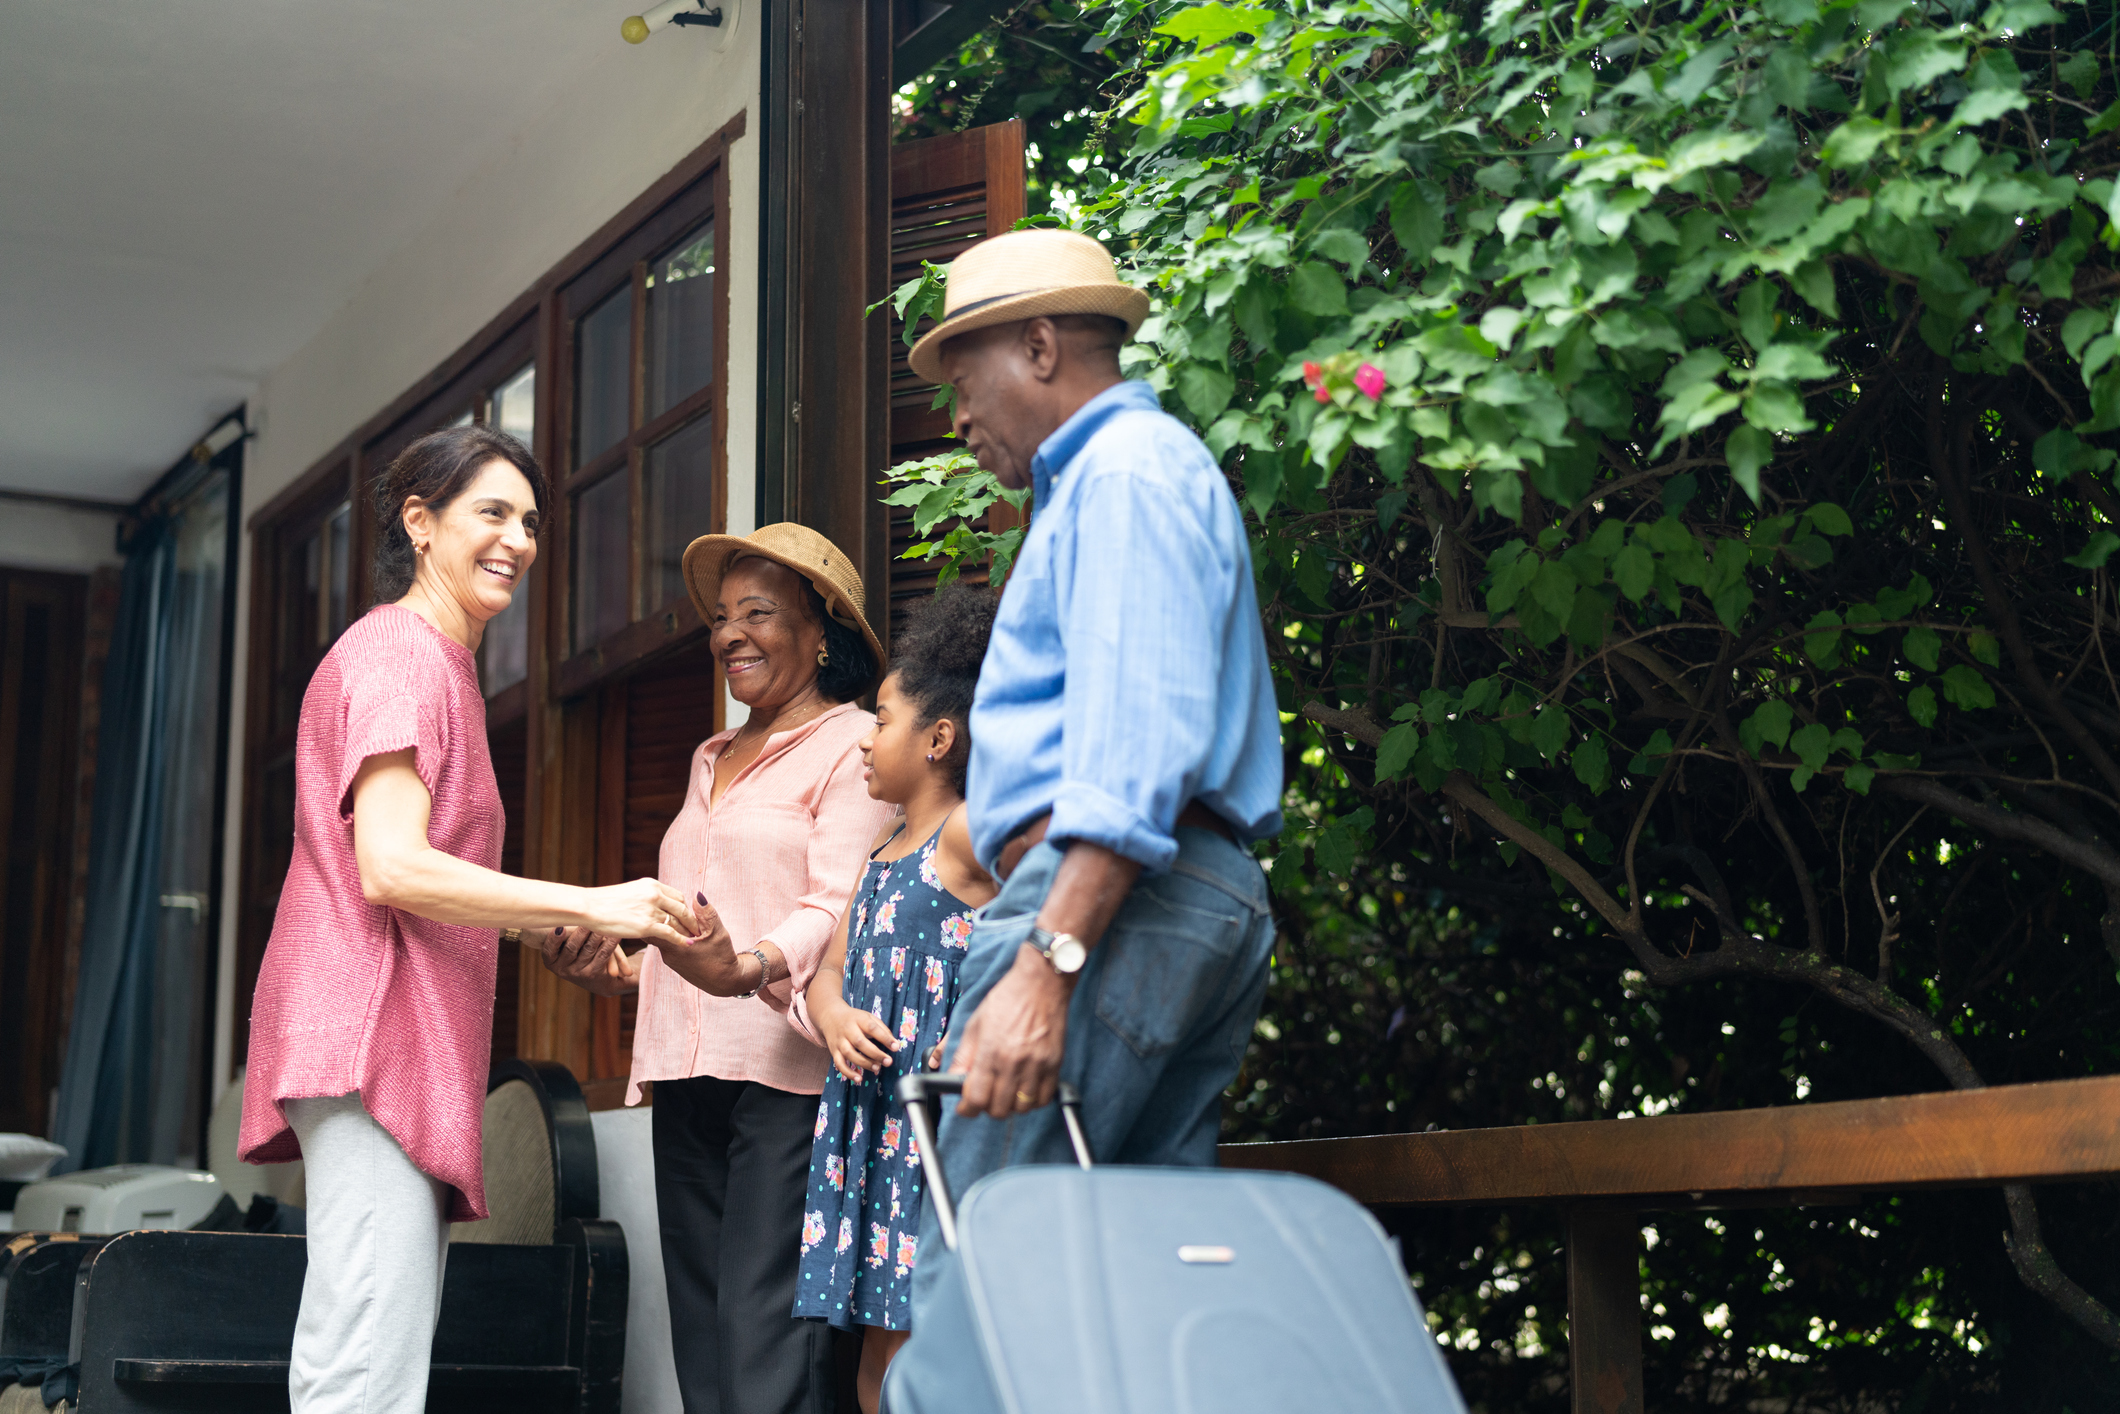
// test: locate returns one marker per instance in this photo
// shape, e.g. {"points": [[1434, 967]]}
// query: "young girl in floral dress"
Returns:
{"points": [[881, 999]]}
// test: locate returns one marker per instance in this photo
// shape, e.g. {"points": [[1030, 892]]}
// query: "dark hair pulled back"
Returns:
{"points": [[849, 669], [437, 468], [936, 661]]}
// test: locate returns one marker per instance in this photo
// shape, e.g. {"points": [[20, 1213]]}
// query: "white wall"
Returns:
{"points": [[631, 114], [37, 536]]}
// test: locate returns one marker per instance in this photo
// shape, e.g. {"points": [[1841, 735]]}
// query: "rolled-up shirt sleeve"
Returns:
{"points": [[1143, 636], [847, 820]]}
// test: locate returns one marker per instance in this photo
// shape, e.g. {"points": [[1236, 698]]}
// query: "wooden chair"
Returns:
{"points": [[1606, 1173], [533, 1310]]}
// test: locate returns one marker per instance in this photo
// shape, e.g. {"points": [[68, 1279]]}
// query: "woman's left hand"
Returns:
{"points": [[710, 961]]}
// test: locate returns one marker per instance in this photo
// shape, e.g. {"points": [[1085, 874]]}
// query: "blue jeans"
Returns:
{"points": [[1155, 1033]]}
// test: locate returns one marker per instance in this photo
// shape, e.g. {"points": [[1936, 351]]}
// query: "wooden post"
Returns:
{"points": [[1605, 1311]]}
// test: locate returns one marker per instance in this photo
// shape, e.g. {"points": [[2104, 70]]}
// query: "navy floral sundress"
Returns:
{"points": [[861, 1220]]}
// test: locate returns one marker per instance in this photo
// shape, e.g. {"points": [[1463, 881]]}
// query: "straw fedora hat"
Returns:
{"points": [[1021, 275], [802, 550]]}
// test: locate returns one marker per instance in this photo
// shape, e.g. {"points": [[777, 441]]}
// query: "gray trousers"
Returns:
{"points": [[378, 1241]]}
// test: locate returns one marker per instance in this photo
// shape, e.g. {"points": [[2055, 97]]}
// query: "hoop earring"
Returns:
{"points": [[824, 656]]}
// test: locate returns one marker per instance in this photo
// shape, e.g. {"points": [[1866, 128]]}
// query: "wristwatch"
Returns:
{"points": [[765, 970], [1064, 951]]}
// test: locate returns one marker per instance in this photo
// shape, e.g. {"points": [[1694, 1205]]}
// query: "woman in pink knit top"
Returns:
{"points": [[373, 1017]]}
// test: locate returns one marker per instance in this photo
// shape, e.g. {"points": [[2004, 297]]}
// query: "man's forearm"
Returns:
{"points": [[1088, 890]]}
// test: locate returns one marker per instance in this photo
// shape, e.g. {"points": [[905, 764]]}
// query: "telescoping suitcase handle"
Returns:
{"points": [[922, 1097]]}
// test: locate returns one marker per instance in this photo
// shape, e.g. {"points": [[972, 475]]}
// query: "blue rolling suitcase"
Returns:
{"points": [[1125, 1290]]}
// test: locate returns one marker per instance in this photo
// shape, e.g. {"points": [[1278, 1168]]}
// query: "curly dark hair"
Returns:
{"points": [[937, 663], [850, 668], [437, 468]]}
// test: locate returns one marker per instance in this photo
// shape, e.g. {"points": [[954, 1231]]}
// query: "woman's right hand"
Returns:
{"points": [[647, 909], [858, 1040], [591, 961]]}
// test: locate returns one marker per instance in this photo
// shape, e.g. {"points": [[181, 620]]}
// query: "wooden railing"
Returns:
{"points": [[1606, 1172]]}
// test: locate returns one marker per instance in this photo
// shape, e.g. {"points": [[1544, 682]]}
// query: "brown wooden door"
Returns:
{"points": [[947, 193], [42, 627]]}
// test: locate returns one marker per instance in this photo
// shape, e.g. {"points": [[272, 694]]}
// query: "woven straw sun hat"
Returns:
{"points": [[802, 550], [1022, 275]]}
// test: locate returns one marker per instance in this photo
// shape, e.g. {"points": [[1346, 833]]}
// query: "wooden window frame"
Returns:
{"points": [[650, 629]]}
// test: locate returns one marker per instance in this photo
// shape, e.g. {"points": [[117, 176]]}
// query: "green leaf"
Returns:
{"points": [[1317, 289], [1335, 851], [1634, 571], [1205, 389], [1549, 731], [1812, 744], [2083, 326], [1747, 451], [1592, 764], [1921, 704], [1554, 589], [2094, 555], [1853, 142], [1771, 722], [1207, 25], [1339, 243], [1985, 105], [1985, 647], [1829, 519], [1813, 280], [1898, 603], [1822, 644], [1965, 687], [1395, 751], [1921, 646], [1417, 218], [1857, 778]]}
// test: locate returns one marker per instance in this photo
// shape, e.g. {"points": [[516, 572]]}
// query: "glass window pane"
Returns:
{"points": [[464, 420], [513, 409], [504, 653], [603, 353], [680, 353], [601, 538], [679, 485], [339, 569]]}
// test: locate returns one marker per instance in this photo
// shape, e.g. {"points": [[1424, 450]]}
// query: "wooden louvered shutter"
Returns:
{"points": [[648, 726], [946, 193]]}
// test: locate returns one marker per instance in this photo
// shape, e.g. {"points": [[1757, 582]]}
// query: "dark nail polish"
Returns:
{"points": [[557, 931], [702, 899]]}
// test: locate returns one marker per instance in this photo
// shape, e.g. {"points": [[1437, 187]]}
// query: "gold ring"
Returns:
{"points": [[1023, 1099]]}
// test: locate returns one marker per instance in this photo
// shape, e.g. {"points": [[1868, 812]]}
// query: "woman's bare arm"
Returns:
{"points": [[399, 868]]}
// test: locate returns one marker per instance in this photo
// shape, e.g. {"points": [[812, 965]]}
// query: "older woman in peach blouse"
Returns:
{"points": [[775, 826]]}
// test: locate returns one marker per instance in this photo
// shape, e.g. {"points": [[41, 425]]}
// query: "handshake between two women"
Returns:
{"points": [[692, 937]]}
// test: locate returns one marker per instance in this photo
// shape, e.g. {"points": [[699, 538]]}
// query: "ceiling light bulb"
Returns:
{"points": [[634, 29]]}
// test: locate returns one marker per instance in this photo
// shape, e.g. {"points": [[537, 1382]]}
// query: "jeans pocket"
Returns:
{"points": [[1164, 964]]}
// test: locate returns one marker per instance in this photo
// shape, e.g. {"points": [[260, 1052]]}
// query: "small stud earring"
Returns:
{"points": [[931, 756]]}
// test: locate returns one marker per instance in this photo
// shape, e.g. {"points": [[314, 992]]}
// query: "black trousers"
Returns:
{"points": [[732, 1166]]}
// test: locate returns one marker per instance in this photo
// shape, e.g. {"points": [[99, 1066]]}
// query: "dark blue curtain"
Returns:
{"points": [[132, 1054]]}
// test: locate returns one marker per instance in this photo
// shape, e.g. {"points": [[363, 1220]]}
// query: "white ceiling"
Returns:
{"points": [[188, 191]]}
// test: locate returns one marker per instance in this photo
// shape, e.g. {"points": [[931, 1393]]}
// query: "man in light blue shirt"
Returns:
{"points": [[1125, 744]]}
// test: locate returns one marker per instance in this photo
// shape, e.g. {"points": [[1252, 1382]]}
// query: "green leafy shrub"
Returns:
{"points": [[1680, 443]]}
